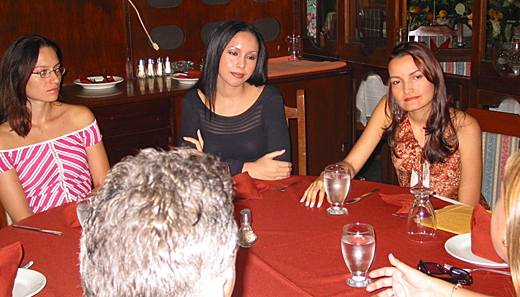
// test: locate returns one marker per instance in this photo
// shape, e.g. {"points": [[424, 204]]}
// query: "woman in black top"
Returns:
{"points": [[231, 113]]}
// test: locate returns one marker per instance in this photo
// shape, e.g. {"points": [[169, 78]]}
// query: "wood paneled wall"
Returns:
{"points": [[104, 37]]}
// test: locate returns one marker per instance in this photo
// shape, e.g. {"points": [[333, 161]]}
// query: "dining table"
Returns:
{"points": [[298, 252]]}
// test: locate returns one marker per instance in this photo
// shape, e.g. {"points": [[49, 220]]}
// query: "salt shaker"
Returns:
{"points": [[167, 66], [159, 68], [150, 70], [141, 73], [246, 236]]}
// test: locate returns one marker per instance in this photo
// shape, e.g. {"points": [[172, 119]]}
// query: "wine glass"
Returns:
{"points": [[358, 245], [422, 222], [337, 186]]}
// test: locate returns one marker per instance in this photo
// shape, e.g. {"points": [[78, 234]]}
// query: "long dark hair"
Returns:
{"points": [[18, 64], [220, 38], [438, 145]]}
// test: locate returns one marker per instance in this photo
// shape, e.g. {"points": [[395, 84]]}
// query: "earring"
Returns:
{"points": [[504, 241]]}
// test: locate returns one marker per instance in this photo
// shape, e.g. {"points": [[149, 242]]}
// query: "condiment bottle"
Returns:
{"points": [[167, 66], [159, 68], [141, 73], [150, 70], [246, 236]]}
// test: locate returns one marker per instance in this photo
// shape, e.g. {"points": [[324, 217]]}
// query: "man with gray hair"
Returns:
{"points": [[161, 225]]}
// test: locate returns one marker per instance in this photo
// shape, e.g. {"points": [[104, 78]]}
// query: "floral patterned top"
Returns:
{"points": [[407, 156]]}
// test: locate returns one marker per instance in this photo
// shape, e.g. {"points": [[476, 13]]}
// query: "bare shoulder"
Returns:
{"points": [[464, 123], [76, 116]]}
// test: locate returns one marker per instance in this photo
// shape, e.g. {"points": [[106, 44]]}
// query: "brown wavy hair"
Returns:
{"points": [[438, 146], [18, 64]]}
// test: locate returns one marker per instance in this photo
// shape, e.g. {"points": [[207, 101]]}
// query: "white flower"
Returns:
{"points": [[496, 29], [460, 9]]}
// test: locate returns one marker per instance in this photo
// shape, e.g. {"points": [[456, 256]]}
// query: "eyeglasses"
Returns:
{"points": [[456, 275], [60, 71]]}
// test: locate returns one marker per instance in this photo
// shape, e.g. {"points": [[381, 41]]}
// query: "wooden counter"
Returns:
{"points": [[142, 113]]}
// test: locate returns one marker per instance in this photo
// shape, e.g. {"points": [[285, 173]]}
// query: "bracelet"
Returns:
{"points": [[458, 285]]}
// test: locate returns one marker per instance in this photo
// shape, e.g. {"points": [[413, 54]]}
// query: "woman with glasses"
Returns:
{"points": [[51, 153], [505, 234]]}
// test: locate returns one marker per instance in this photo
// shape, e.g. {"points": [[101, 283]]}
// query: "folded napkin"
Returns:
{"points": [[403, 200], [247, 188], [10, 257], [481, 244], [454, 218], [72, 217]]}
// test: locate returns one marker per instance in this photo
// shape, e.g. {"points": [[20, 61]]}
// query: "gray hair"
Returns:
{"points": [[161, 225]]}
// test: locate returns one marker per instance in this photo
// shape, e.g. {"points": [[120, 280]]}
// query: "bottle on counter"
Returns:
{"points": [[150, 70], [246, 236], [141, 72], [159, 67], [167, 66]]}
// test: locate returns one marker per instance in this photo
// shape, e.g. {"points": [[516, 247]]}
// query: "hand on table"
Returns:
{"points": [[266, 168], [199, 143], [404, 281], [315, 190]]}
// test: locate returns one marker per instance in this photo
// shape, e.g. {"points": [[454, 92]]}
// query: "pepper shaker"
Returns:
{"points": [[167, 66], [159, 67], [150, 71], [141, 73], [246, 236]]}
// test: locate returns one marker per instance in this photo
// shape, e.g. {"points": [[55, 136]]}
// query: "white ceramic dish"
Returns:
{"points": [[28, 283], [190, 81], [99, 86], [460, 247]]}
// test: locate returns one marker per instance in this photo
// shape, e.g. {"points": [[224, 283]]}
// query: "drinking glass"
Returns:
{"points": [[337, 186], [422, 222], [358, 245], [82, 206]]}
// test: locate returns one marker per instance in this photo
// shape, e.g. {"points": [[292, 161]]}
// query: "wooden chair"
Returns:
{"points": [[298, 114], [442, 45], [500, 138]]}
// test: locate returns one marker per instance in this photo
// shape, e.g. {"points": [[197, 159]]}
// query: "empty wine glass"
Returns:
{"points": [[358, 245], [337, 186], [422, 222]]}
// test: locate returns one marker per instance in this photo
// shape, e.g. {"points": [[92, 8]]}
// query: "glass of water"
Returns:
{"points": [[82, 206], [337, 186], [358, 245]]}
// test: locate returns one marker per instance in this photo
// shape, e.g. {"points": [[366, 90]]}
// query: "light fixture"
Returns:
{"points": [[155, 45]]}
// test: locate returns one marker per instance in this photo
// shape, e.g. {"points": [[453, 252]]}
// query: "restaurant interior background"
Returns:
{"points": [[101, 37]]}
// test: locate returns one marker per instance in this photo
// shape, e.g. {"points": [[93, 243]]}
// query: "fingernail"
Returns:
{"points": [[312, 204], [301, 200], [307, 203], [319, 205]]}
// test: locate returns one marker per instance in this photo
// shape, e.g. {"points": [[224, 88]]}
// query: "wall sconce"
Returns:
{"points": [[155, 45]]}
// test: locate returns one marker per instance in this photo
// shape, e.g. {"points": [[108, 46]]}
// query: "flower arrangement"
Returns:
{"points": [[503, 19], [438, 12]]}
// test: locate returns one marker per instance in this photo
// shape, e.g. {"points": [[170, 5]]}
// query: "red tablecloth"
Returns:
{"points": [[298, 252]]}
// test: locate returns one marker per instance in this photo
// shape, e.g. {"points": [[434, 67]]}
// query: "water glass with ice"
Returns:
{"points": [[358, 245], [337, 186], [82, 206]]}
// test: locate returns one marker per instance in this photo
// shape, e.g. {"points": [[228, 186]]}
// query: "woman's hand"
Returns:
{"points": [[199, 143], [315, 190], [405, 281], [266, 168]]}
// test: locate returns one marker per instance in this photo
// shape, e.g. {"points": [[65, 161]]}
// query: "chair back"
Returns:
{"points": [[298, 114], [500, 138]]}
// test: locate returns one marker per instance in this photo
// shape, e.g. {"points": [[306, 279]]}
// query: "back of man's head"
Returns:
{"points": [[161, 225]]}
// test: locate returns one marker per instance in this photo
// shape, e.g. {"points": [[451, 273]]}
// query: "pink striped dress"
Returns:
{"points": [[56, 171]]}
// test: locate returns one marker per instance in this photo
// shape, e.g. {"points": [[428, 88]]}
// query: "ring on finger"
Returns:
{"points": [[392, 292]]}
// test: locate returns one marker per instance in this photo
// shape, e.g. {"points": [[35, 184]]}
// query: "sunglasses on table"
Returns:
{"points": [[454, 275]]}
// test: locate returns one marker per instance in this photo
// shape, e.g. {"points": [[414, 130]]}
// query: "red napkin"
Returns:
{"points": [[403, 200], [246, 187], [10, 257], [481, 244], [72, 217]]}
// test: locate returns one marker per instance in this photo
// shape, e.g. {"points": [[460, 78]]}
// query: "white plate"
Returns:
{"points": [[460, 247], [190, 81], [98, 86], [28, 283]]}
